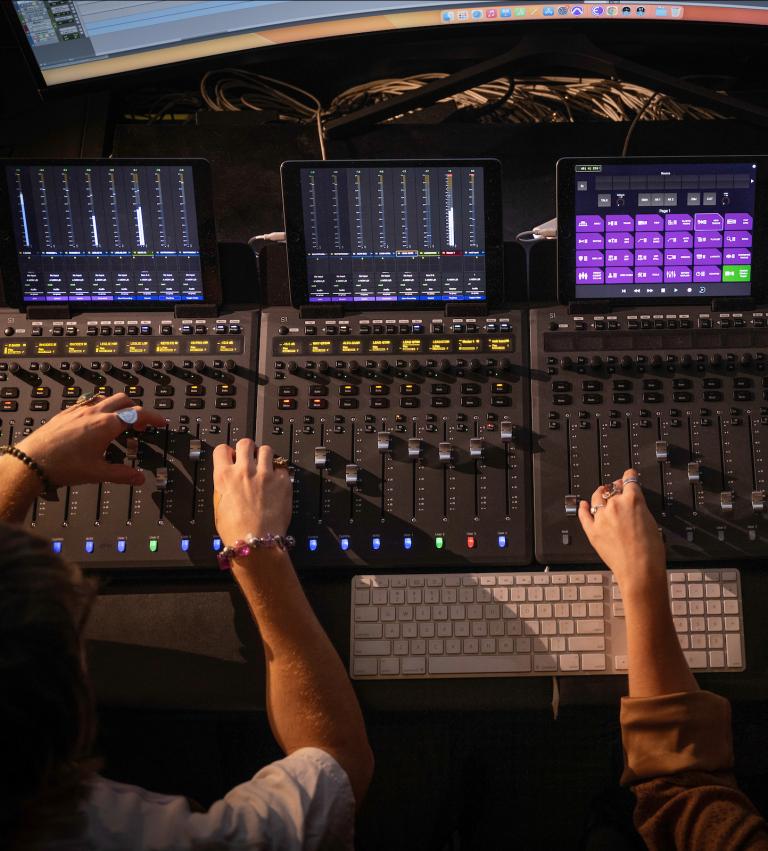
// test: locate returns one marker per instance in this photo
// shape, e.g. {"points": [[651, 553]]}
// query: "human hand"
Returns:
{"points": [[70, 447], [250, 495], [625, 535]]}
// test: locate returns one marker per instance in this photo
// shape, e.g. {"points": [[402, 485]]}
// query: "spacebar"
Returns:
{"points": [[479, 664]]}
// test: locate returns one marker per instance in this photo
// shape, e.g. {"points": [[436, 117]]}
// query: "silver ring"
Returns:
{"points": [[632, 480], [595, 508], [609, 492], [128, 415]]}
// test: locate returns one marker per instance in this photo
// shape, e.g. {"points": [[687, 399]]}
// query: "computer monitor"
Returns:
{"points": [[393, 232], [643, 229], [133, 233], [74, 40]]}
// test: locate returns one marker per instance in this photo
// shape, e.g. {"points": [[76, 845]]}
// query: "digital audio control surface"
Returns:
{"points": [[196, 372], [407, 434], [679, 394]]}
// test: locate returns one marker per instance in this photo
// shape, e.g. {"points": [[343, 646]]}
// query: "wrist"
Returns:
{"points": [[644, 587]]}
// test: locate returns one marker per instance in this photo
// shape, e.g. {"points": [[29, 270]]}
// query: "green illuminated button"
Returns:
{"points": [[737, 273], [439, 541], [153, 545]]}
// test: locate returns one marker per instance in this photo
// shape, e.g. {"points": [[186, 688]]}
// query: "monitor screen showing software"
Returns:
{"points": [[656, 229], [389, 234], [105, 233]]}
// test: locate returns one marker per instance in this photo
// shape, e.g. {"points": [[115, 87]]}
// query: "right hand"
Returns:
{"points": [[250, 495], [625, 534]]}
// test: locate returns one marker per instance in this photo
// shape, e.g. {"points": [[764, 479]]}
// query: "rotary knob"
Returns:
{"points": [[168, 365], [686, 360], [136, 366], [657, 361], [626, 362], [77, 367], [230, 365], [595, 361], [322, 367], [474, 365], [354, 367], [384, 366], [745, 359], [199, 366], [414, 365], [566, 362], [293, 367], [107, 367], [715, 360], [505, 364], [445, 365]]}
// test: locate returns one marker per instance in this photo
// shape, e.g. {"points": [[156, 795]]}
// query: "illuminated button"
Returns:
{"points": [[216, 544], [312, 544], [410, 389], [89, 545], [348, 390], [195, 390], [471, 542], [153, 542], [502, 541], [316, 404], [184, 544], [344, 542], [286, 404], [379, 390], [56, 545], [439, 542], [376, 542], [121, 543], [407, 541]]}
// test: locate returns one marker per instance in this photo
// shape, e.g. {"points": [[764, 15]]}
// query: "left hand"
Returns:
{"points": [[70, 447]]}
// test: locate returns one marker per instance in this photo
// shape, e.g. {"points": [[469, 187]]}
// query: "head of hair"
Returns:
{"points": [[46, 707]]}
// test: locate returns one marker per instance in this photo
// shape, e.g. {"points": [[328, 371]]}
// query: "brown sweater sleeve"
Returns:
{"points": [[679, 761]]}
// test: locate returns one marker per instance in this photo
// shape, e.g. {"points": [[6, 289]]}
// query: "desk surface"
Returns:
{"points": [[192, 647]]}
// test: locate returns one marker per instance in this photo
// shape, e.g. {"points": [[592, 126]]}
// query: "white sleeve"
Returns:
{"points": [[301, 803]]}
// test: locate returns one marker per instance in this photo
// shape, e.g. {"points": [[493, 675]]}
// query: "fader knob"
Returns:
{"points": [[161, 478], [322, 367], [384, 441], [662, 450], [726, 501], [758, 501], [195, 448], [352, 474], [476, 447], [626, 362], [293, 367], [415, 447], [445, 452], [694, 471]]}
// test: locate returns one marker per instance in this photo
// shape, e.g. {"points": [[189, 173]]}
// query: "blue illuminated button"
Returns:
{"points": [[121, 545], [502, 539], [407, 541], [312, 544], [376, 542], [344, 542], [89, 545], [184, 544], [56, 546], [216, 544]]}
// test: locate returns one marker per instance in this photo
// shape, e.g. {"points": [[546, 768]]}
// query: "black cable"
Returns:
{"points": [[637, 117]]}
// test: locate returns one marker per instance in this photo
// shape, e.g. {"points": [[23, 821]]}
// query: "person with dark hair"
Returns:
{"points": [[677, 738], [51, 795]]}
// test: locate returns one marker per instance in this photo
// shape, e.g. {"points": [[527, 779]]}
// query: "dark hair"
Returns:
{"points": [[47, 714]]}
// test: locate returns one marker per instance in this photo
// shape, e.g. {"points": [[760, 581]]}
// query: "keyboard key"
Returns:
{"points": [[479, 665]]}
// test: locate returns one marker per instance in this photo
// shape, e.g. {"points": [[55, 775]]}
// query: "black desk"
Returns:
{"points": [[195, 647]]}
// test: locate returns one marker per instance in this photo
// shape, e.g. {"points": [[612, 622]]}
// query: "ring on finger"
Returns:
{"points": [[280, 462], [610, 491], [632, 480], [128, 415], [595, 508], [88, 399]]}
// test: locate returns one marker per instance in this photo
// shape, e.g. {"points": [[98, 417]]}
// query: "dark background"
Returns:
{"points": [[177, 665]]}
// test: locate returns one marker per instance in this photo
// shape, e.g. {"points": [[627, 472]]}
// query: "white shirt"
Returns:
{"points": [[301, 803]]}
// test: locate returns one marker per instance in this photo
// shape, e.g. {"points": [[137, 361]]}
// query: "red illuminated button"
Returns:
{"points": [[471, 542]]}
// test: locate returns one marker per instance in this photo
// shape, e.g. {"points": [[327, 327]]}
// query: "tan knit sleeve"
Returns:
{"points": [[679, 760]]}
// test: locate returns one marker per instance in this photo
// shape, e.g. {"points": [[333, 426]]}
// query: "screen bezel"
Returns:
{"points": [[12, 290], [566, 236], [294, 230]]}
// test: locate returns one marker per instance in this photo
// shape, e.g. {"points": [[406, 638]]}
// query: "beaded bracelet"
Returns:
{"points": [[243, 548], [49, 491]]}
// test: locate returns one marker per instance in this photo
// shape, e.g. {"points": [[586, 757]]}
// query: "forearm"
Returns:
{"points": [[310, 700], [656, 661], [19, 486]]}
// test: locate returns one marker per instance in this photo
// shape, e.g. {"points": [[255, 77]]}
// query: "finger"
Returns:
{"points": [[597, 496], [245, 457], [264, 461], [148, 418], [223, 456], [120, 474], [113, 403], [586, 518]]}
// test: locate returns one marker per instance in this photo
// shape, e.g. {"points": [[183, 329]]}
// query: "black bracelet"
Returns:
{"points": [[49, 491]]}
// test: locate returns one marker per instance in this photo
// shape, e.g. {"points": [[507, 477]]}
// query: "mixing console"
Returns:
{"points": [[681, 396], [197, 372], [407, 434]]}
